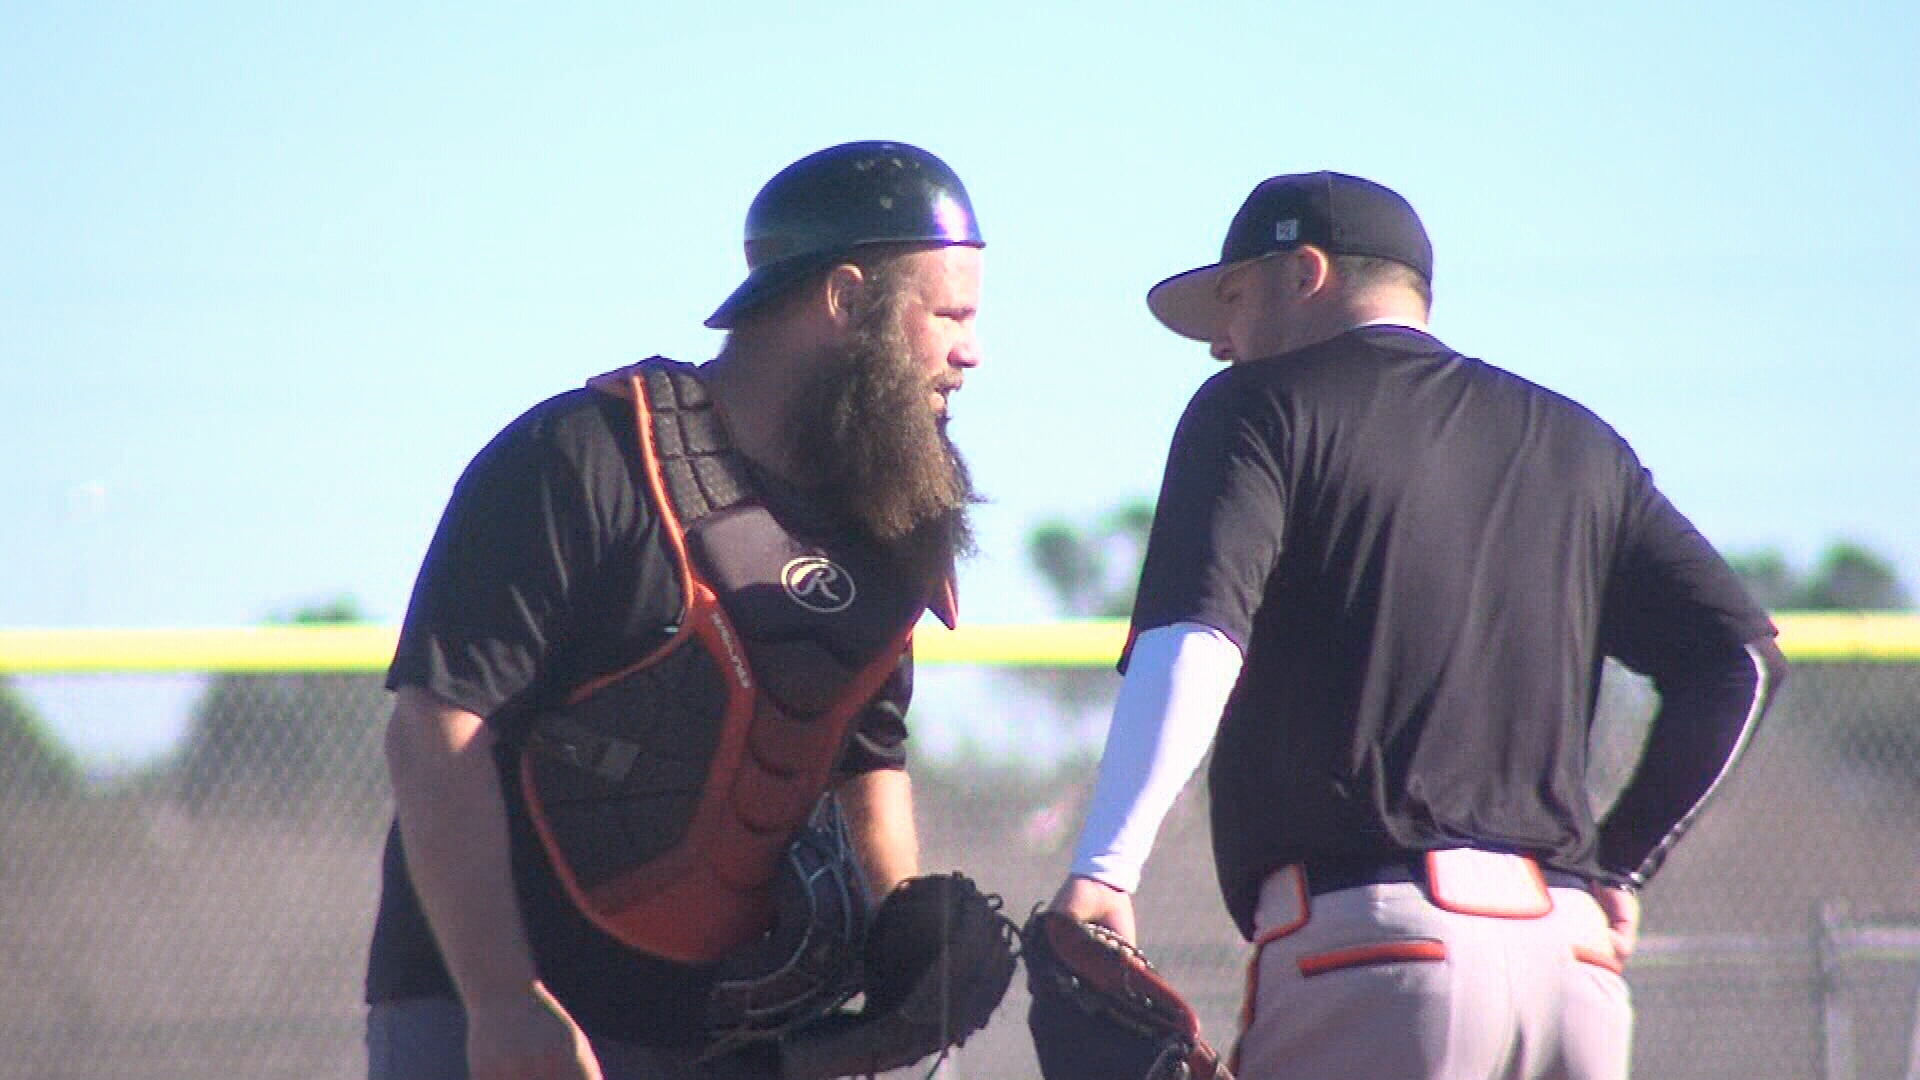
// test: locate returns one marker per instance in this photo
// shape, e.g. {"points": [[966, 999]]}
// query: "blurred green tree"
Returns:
{"points": [[294, 742], [1092, 568], [34, 763], [1846, 577]]}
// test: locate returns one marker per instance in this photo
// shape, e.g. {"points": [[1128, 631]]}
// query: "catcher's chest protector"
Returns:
{"points": [[665, 793]]}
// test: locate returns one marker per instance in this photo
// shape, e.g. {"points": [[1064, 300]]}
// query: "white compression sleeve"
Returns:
{"points": [[1178, 680]]}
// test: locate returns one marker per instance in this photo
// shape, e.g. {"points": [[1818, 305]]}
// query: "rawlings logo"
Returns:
{"points": [[818, 584], [734, 660]]}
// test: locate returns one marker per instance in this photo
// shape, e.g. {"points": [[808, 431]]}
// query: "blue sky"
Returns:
{"points": [[269, 275]]}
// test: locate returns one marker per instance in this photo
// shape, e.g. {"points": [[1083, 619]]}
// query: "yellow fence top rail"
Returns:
{"points": [[175, 650], [1073, 643]]}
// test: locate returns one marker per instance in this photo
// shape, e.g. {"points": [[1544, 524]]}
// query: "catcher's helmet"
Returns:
{"points": [[825, 205]]}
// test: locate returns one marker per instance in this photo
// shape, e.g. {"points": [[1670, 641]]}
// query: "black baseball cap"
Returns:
{"points": [[824, 206], [1337, 213]]}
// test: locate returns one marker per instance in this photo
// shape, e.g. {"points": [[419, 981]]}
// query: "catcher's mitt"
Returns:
{"points": [[808, 964], [1101, 1012], [938, 958]]}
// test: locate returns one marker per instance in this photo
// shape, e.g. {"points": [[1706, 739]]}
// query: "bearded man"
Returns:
{"points": [[661, 642]]}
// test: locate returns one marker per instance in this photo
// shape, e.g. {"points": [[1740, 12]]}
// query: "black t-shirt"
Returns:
{"points": [[550, 567], [1424, 559]]}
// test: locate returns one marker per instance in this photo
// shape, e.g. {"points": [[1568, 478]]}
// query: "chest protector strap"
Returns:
{"points": [[666, 793]]}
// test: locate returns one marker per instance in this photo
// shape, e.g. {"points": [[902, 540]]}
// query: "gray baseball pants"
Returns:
{"points": [[1375, 981]]}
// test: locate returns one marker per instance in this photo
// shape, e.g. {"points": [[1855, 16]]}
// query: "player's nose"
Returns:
{"points": [[966, 351]]}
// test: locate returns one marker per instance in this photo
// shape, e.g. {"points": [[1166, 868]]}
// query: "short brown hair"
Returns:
{"points": [[881, 263], [1367, 272]]}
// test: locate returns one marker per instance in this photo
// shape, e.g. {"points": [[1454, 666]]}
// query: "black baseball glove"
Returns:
{"points": [[938, 958], [1101, 1012]]}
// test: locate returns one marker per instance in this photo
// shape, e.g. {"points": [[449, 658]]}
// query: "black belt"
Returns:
{"points": [[1331, 874]]}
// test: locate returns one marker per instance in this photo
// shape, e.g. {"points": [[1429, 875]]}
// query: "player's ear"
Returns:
{"points": [[842, 290], [1310, 270]]}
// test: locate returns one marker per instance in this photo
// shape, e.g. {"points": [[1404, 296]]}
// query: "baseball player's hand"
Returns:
{"points": [[527, 1037], [1096, 902], [1622, 908]]}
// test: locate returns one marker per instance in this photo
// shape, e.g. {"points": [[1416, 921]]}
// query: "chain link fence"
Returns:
{"points": [[205, 911]]}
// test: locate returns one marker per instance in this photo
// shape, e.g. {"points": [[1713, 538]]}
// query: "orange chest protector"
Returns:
{"points": [[665, 793]]}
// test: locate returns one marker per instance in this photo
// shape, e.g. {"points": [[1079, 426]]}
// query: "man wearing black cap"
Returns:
{"points": [[661, 637], [1385, 575]]}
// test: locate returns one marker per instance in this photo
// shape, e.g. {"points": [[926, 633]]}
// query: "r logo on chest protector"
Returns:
{"points": [[818, 584]]}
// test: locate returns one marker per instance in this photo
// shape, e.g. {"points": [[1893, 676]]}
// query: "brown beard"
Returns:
{"points": [[871, 443]]}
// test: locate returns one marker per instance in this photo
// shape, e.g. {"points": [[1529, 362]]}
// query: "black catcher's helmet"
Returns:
{"points": [[827, 204]]}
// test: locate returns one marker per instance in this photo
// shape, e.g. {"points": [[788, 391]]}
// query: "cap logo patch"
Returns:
{"points": [[818, 584], [1286, 232]]}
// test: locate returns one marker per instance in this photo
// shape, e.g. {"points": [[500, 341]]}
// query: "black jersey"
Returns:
{"points": [[550, 568], [1424, 559]]}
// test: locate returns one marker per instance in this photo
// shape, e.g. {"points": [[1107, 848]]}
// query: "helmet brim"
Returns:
{"points": [[765, 284]]}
